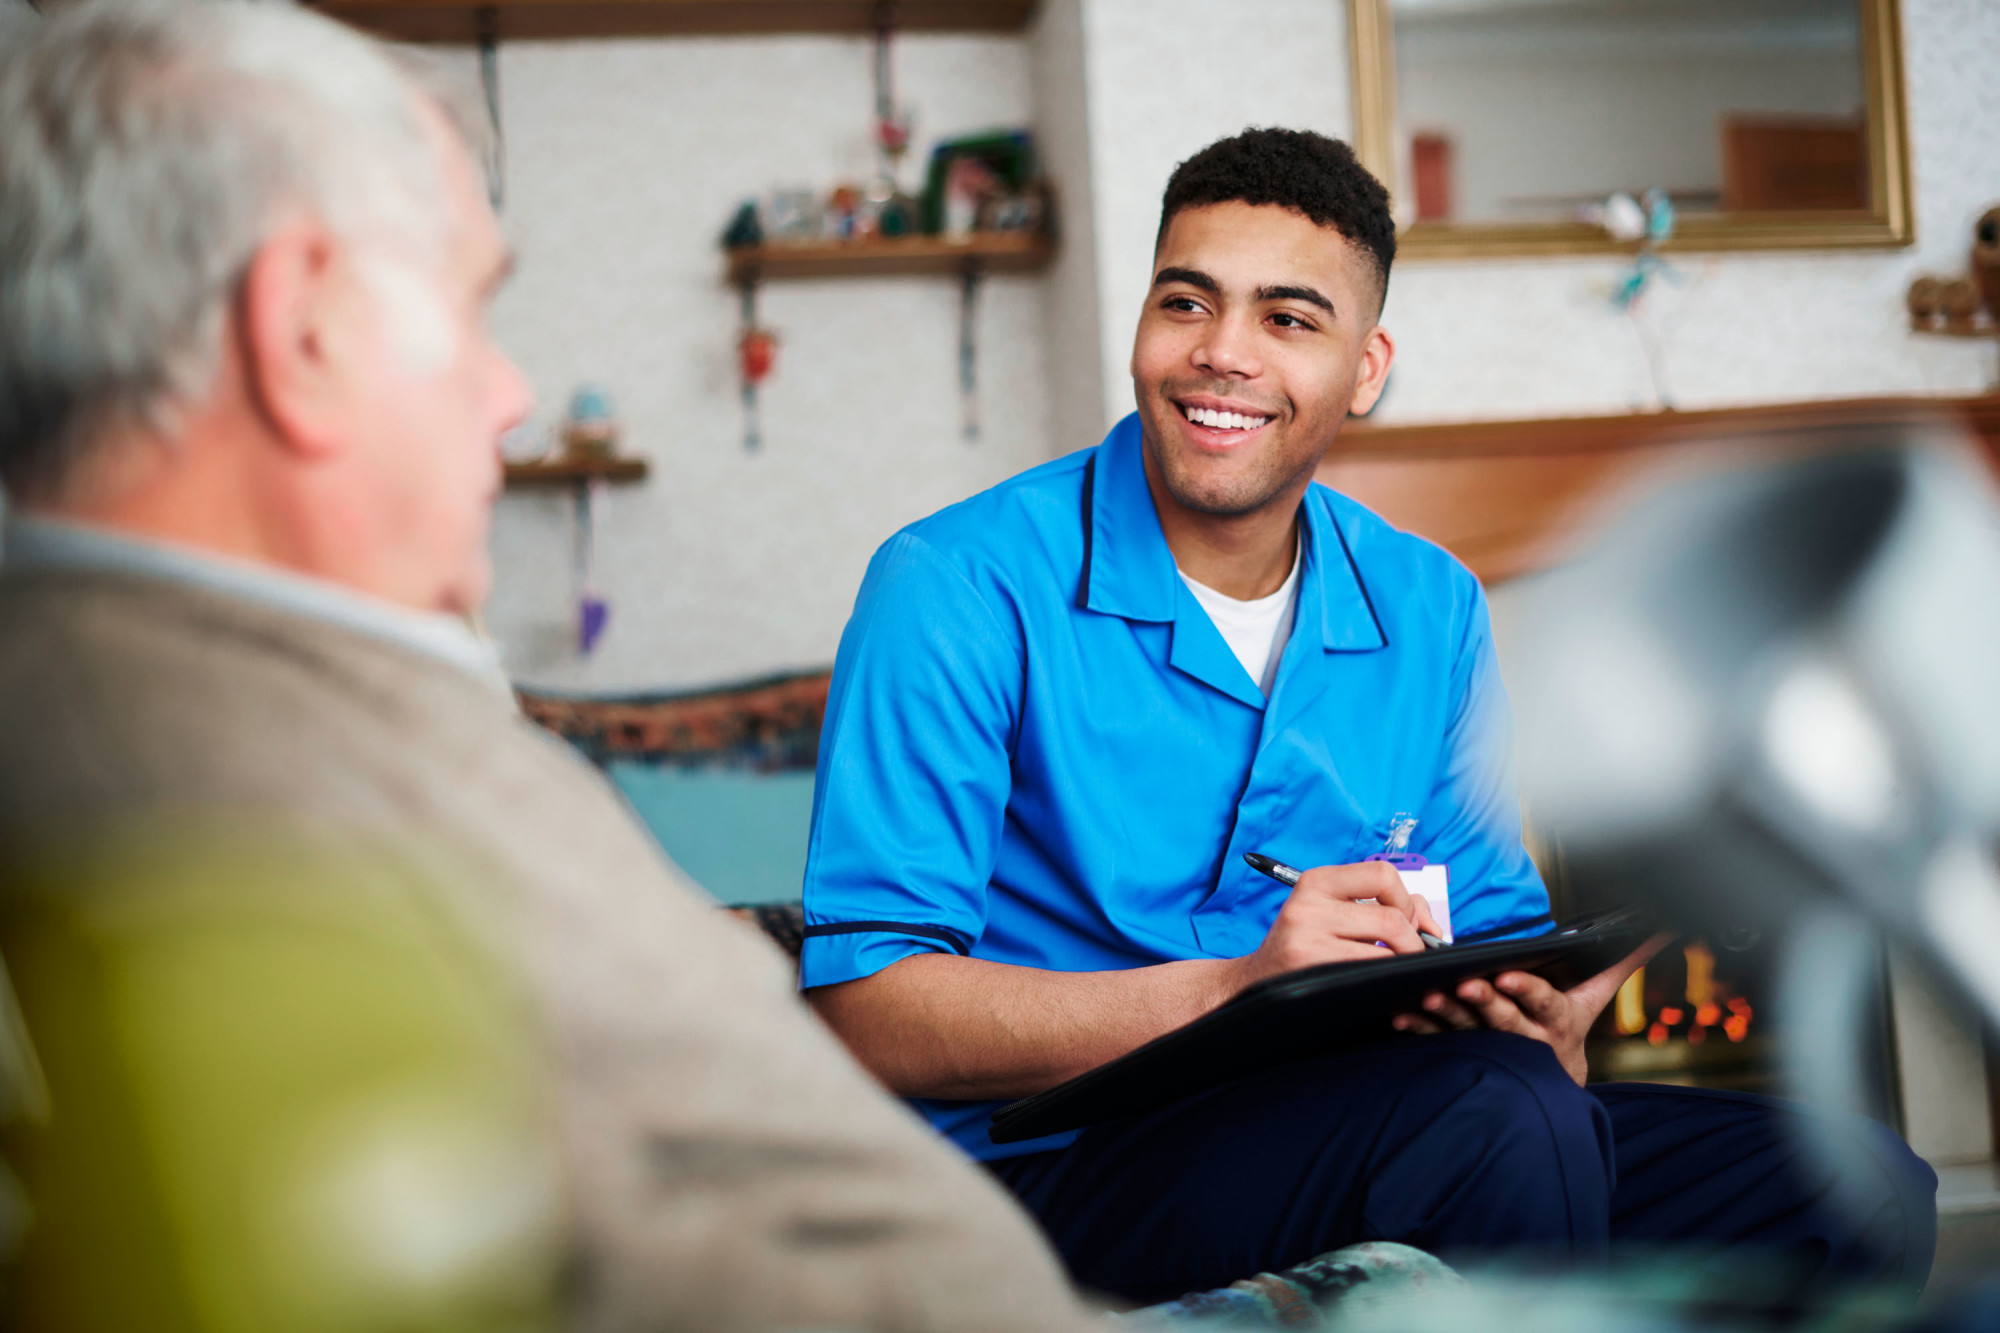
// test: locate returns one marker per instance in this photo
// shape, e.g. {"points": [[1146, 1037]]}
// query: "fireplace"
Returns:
{"points": [[1697, 1015], [1703, 1012]]}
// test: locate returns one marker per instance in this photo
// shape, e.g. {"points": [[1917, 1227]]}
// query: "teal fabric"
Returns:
{"points": [[1321, 1293], [739, 833]]}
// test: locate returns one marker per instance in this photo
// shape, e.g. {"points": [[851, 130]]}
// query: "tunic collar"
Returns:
{"points": [[1129, 569]]}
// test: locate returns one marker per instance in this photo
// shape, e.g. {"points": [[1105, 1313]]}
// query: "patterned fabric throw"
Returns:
{"points": [[1310, 1295]]}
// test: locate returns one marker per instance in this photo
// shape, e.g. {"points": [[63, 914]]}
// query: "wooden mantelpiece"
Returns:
{"points": [[1508, 497]]}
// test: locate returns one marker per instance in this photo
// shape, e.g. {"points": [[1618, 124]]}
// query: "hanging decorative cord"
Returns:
{"points": [[968, 346], [593, 612], [892, 124], [487, 21], [756, 356]]}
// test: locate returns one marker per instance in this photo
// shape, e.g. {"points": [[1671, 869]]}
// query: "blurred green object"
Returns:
{"points": [[900, 216], [1009, 154], [276, 1082], [738, 832], [745, 227]]}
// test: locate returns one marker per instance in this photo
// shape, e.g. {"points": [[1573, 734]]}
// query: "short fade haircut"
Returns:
{"points": [[1296, 169], [147, 150]]}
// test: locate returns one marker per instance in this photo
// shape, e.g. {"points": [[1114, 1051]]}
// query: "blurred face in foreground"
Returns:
{"points": [[1257, 340], [369, 359], [433, 395]]}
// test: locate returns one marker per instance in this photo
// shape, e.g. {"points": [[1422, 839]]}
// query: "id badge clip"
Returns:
{"points": [[1419, 875]]}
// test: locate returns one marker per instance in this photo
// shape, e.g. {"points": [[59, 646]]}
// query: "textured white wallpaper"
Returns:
{"points": [[1495, 339], [1075, 331], [624, 161], [625, 157], [1166, 78]]}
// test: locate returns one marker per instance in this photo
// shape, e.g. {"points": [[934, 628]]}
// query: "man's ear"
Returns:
{"points": [[298, 308], [1378, 349]]}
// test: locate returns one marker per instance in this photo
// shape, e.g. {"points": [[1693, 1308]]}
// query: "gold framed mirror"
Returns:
{"points": [[1770, 124]]}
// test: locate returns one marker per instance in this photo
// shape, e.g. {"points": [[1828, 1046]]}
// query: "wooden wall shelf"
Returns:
{"points": [[1511, 497], [459, 20], [994, 252], [1990, 329], [551, 471]]}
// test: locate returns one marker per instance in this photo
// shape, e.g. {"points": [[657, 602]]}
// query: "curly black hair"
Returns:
{"points": [[1295, 169]]}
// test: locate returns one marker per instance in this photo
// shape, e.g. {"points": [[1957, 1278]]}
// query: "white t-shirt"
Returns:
{"points": [[1255, 631]]}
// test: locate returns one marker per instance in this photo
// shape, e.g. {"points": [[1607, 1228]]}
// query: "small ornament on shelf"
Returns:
{"points": [[746, 227], [1925, 302], [1961, 303], [1986, 258], [794, 215], [1649, 220], [1967, 306], [845, 214], [591, 429]]}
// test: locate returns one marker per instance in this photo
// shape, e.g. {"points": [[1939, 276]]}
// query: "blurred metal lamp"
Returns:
{"points": [[1769, 699]]}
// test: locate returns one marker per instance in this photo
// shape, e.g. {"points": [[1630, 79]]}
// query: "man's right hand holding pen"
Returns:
{"points": [[1329, 918], [1337, 914]]}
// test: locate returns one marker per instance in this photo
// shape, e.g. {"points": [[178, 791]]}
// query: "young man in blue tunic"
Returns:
{"points": [[1065, 708]]}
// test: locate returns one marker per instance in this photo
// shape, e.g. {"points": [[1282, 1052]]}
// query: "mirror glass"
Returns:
{"points": [[1530, 111]]}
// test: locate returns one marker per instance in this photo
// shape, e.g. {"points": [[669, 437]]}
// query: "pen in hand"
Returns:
{"points": [[1289, 877]]}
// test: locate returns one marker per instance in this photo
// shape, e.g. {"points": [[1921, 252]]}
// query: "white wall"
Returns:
{"points": [[624, 161], [1075, 329], [1508, 338], [1164, 79], [625, 158], [1536, 337]]}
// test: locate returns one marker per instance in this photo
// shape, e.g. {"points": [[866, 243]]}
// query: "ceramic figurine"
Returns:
{"points": [[1925, 300], [843, 213], [1960, 300], [591, 430], [1986, 258], [745, 228]]}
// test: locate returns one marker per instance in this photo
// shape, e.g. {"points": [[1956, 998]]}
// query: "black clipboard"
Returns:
{"points": [[1311, 1012]]}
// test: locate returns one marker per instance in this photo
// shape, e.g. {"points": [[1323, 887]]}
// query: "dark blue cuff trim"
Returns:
{"points": [[957, 941], [1534, 923]]}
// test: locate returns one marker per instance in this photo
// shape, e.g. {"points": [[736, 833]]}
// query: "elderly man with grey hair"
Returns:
{"points": [[249, 414]]}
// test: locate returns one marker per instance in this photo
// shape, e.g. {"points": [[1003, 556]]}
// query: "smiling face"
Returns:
{"points": [[1258, 338]]}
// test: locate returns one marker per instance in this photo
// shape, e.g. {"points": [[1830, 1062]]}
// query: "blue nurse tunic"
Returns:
{"points": [[1039, 750]]}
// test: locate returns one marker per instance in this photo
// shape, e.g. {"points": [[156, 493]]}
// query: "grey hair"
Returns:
{"points": [[147, 150]]}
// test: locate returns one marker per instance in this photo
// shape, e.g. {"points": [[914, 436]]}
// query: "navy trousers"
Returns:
{"points": [[1466, 1144]]}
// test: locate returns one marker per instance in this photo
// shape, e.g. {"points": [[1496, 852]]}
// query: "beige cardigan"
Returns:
{"points": [[730, 1166]]}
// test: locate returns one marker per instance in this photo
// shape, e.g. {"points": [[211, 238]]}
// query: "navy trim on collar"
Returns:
{"points": [[1089, 491]]}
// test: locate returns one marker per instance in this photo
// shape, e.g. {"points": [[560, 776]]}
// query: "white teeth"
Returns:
{"points": [[1217, 420]]}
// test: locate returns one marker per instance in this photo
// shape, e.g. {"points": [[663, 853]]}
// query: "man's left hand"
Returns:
{"points": [[1523, 1003]]}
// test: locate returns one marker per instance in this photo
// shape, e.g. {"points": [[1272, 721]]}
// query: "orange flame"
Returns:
{"points": [[1709, 1005], [1701, 976]]}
